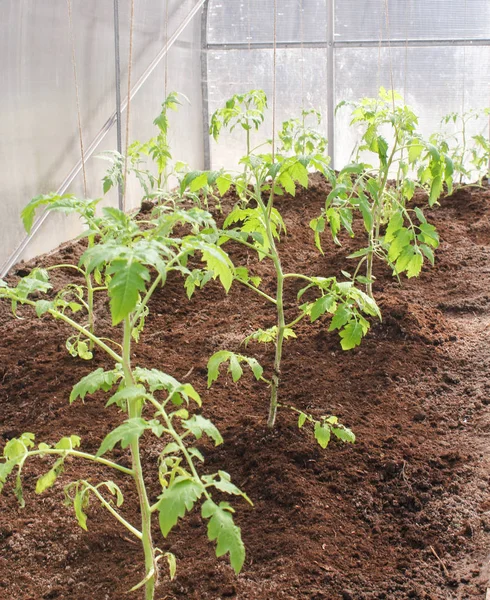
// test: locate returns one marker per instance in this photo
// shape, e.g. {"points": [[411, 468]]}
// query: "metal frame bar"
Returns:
{"points": [[117, 67], [331, 80], [205, 87], [411, 43], [17, 253]]}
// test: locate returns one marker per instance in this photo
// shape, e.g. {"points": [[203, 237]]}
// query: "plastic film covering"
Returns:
{"points": [[436, 54], [244, 21], [412, 19], [301, 82], [38, 117], [434, 81]]}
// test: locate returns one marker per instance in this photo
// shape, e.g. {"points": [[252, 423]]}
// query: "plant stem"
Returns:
{"points": [[134, 411], [90, 302], [113, 511], [281, 322], [77, 454], [260, 292]]}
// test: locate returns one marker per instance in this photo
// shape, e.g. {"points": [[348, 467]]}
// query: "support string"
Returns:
{"points": [[274, 62], [77, 93], [128, 107]]}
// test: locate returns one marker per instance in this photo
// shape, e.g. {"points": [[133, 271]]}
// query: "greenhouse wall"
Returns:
{"points": [[40, 145], [436, 54]]}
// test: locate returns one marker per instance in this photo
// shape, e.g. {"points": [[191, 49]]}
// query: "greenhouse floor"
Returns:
{"points": [[402, 513]]}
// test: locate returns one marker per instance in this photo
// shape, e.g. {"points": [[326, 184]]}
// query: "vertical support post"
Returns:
{"points": [[117, 66], [331, 81], [204, 87]]}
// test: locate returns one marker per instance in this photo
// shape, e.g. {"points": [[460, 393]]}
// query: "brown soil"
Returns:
{"points": [[403, 513]]}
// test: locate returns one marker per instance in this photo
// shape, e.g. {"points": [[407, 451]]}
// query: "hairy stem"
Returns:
{"points": [[77, 454], [134, 411], [113, 511]]}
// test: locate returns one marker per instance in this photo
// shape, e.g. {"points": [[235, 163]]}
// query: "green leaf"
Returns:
{"points": [[158, 380], [351, 335], [48, 479], [172, 564], [402, 238], [224, 484], [223, 184], [414, 152], [435, 190], [91, 383], [222, 529], [235, 368], [322, 434], [415, 265], [301, 420], [67, 443], [131, 393], [178, 498], [219, 263], [394, 225], [128, 280], [340, 318], [78, 507], [42, 307], [321, 306], [128, 432], [344, 434], [198, 425]]}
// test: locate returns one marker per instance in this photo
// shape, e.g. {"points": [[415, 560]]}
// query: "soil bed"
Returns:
{"points": [[403, 513]]}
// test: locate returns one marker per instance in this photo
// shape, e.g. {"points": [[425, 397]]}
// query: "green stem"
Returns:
{"points": [[113, 511], [77, 454], [90, 302], [134, 411], [281, 322], [260, 292]]}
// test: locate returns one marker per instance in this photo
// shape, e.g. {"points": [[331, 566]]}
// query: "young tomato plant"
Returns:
{"points": [[77, 297], [153, 402], [258, 226], [153, 177], [366, 188], [469, 153]]}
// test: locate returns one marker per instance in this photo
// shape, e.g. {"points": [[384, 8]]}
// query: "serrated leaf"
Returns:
{"points": [[223, 184], [340, 318], [128, 280], [321, 306], [127, 433], [48, 479], [42, 307], [415, 265], [127, 394], [198, 425], [222, 529], [67, 443], [224, 484], [78, 507], [176, 500], [235, 368], [158, 380], [322, 434], [344, 434], [351, 335], [435, 190], [91, 383], [394, 225]]}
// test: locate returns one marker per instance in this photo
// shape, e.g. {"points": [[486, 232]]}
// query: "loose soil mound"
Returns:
{"points": [[403, 513]]}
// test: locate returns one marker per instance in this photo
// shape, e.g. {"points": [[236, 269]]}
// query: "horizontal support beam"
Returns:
{"points": [[410, 43]]}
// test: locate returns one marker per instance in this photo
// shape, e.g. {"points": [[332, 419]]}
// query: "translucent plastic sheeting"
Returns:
{"points": [[412, 19], [301, 82], [434, 82], [38, 120], [243, 21]]}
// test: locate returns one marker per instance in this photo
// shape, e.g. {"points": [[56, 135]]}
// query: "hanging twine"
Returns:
{"points": [[130, 66], [77, 93]]}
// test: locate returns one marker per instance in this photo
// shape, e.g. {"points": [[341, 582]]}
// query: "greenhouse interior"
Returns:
{"points": [[245, 325]]}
